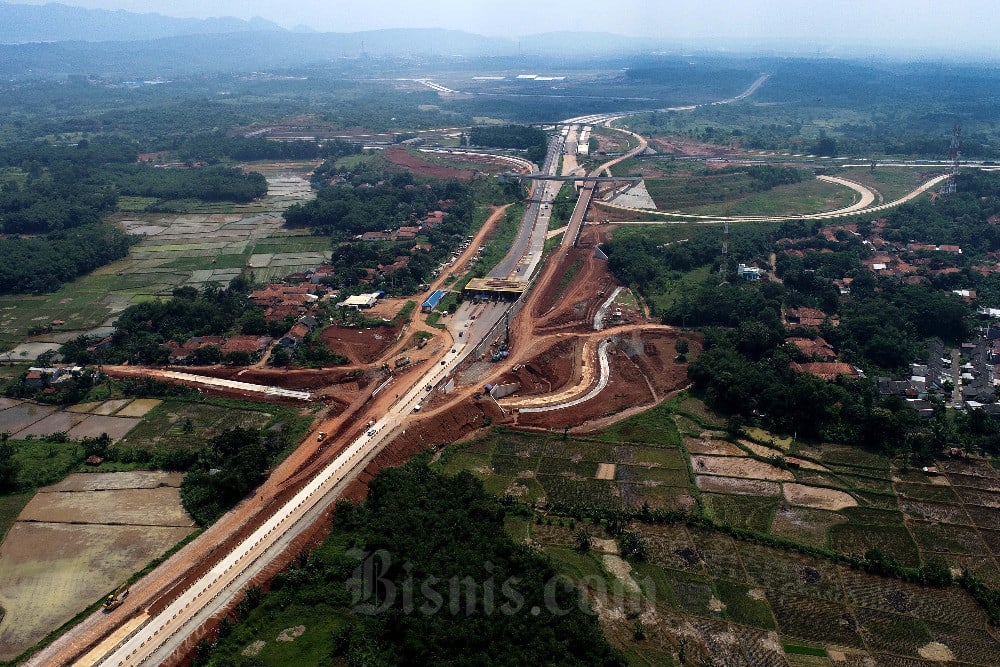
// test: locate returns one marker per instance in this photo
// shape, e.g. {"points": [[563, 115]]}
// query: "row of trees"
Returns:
{"points": [[215, 183], [218, 146], [522, 137]]}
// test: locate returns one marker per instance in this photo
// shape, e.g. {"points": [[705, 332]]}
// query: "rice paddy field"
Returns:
{"points": [[208, 244], [711, 597], [75, 541]]}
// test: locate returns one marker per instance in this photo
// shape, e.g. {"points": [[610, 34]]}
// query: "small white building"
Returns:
{"points": [[360, 301], [749, 272]]}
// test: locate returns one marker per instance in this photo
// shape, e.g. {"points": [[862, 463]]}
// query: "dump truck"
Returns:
{"points": [[115, 599]]}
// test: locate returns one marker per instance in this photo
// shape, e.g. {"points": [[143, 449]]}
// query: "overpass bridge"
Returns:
{"points": [[585, 179]]}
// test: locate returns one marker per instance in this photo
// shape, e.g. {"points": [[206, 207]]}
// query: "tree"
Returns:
{"points": [[8, 466]]}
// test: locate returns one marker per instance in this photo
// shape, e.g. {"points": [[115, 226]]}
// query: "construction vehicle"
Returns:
{"points": [[115, 599], [321, 436]]}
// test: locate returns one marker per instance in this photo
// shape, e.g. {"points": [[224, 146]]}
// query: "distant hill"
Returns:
{"points": [[20, 24], [233, 52], [56, 40]]}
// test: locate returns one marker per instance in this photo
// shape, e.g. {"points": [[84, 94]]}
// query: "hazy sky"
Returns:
{"points": [[912, 25]]}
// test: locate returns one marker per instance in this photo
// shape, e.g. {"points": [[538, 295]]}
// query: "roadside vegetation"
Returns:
{"points": [[415, 616]]}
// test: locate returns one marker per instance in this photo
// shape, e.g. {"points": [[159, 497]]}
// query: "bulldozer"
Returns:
{"points": [[115, 599]]}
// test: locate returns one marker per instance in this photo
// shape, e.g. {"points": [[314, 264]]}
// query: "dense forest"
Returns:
{"points": [[529, 139], [42, 264], [55, 196], [452, 587]]}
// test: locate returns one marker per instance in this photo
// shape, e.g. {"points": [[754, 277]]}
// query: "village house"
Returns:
{"points": [[815, 348], [827, 370]]}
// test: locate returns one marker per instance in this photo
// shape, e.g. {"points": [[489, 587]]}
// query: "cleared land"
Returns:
{"points": [[72, 544]]}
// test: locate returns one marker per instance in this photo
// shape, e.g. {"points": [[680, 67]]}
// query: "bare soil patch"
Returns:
{"points": [[84, 407], [51, 571], [824, 499], [937, 652], [713, 447], [109, 407], [547, 371], [626, 389], [305, 379], [160, 506], [94, 425], [58, 422], [19, 417], [731, 466], [744, 487], [8, 402], [361, 346], [621, 570], [403, 158], [606, 471], [106, 481]]}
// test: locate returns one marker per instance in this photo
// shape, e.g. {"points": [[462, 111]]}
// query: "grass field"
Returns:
{"points": [[891, 183], [809, 196], [178, 424]]}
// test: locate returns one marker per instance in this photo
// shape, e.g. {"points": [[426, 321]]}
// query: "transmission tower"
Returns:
{"points": [[723, 264], [955, 155]]}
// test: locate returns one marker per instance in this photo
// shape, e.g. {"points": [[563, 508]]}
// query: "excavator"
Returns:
{"points": [[115, 599]]}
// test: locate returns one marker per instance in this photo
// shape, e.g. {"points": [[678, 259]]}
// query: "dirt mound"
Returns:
{"points": [[548, 370], [627, 388], [572, 301], [300, 379], [403, 158]]}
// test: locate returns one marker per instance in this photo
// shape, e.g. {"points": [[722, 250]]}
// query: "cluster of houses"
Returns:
{"points": [[252, 346], [964, 378], [297, 298], [44, 377], [405, 233], [281, 300]]}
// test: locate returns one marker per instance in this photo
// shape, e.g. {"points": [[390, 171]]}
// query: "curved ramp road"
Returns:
{"points": [[602, 382], [853, 209]]}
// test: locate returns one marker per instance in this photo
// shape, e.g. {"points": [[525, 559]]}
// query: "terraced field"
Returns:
{"points": [[704, 595]]}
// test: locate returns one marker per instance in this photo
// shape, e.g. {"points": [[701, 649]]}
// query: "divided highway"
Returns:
{"points": [[156, 640]]}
